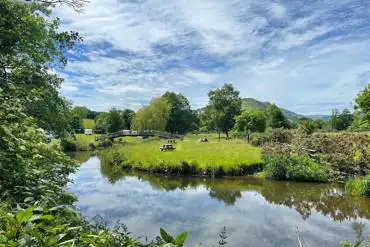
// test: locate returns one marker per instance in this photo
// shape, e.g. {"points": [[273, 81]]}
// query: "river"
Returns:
{"points": [[255, 212]]}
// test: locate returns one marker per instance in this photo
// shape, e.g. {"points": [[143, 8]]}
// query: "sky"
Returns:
{"points": [[307, 56]]}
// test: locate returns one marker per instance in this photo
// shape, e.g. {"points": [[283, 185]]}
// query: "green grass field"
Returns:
{"points": [[88, 123], [228, 154]]}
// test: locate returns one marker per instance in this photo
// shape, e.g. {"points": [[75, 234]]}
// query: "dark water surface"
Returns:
{"points": [[255, 212]]}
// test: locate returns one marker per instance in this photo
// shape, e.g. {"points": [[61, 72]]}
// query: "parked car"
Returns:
{"points": [[88, 131]]}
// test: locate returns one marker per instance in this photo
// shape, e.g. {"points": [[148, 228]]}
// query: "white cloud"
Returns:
{"points": [[296, 56]]}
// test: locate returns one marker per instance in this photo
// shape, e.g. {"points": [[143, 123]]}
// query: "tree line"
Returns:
{"points": [[172, 112]]}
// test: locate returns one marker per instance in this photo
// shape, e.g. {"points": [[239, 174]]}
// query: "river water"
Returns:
{"points": [[255, 212]]}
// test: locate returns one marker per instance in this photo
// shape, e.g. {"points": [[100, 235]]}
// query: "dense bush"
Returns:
{"points": [[344, 155], [358, 185], [272, 136], [296, 168], [105, 142], [69, 145]]}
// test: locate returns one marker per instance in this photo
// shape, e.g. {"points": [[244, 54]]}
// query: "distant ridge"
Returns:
{"points": [[253, 104]]}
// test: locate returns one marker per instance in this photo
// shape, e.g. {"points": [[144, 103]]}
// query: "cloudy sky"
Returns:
{"points": [[305, 55]]}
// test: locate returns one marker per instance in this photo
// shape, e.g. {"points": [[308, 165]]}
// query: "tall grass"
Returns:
{"points": [[358, 186]]}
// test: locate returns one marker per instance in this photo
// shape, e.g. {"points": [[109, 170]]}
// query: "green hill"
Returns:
{"points": [[253, 104]]}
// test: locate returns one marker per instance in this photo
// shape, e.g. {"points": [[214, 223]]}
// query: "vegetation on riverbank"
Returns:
{"points": [[358, 186], [228, 157]]}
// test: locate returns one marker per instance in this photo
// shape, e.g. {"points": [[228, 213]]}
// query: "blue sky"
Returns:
{"points": [[307, 56]]}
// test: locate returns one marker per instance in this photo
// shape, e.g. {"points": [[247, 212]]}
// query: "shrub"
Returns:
{"points": [[295, 168], [105, 142], [69, 145], [358, 186], [272, 136]]}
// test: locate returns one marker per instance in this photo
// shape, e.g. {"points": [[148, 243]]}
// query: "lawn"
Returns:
{"points": [[88, 123], [228, 154]]}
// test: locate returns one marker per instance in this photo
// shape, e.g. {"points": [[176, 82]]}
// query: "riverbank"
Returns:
{"points": [[212, 158]]}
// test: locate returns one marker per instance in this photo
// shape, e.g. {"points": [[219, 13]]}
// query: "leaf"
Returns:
{"points": [[180, 239], [24, 215], [166, 237]]}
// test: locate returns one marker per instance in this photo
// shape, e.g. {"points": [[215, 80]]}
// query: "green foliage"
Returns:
{"points": [[77, 124], [225, 104], [88, 123], [128, 118], [362, 104], [272, 136], [341, 121], [101, 123], [181, 119], [223, 237], [31, 46], [105, 142], [276, 118], [166, 238], [358, 186], [154, 116], [254, 121], [115, 120], [296, 168], [69, 145], [343, 155]]}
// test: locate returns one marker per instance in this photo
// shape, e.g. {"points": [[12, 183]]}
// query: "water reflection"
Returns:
{"points": [[327, 199], [261, 212]]}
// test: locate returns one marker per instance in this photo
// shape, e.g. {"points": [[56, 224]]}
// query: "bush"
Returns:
{"points": [[295, 168], [272, 136], [69, 145], [358, 186], [105, 142]]}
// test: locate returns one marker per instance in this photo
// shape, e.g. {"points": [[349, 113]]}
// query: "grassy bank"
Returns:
{"points": [[227, 157]]}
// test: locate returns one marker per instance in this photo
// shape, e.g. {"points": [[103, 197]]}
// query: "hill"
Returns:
{"points": [[253, 104]]}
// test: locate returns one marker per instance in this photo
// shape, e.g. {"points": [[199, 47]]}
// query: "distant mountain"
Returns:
{"points": [[253, 104]]}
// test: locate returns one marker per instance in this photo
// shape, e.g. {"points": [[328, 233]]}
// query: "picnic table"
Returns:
{"points": [[167, 147]]}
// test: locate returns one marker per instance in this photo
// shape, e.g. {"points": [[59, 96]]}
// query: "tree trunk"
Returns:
{"points": [[219, 136]]}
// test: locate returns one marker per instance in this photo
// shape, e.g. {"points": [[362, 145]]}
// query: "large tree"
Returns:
{"points": [[182, 119], [115, 120], [341, 121], [153, 116], [128, 116], [254, 121], [31, 47], [362, 105], [226, 104], [276, 118]]}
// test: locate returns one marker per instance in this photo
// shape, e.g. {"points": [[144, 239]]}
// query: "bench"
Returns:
{"points": [[167, 147]]}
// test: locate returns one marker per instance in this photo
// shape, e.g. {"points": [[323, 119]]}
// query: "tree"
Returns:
{"points": [[182, 119], [77, 5], [207, 119], [101, 123], [115, 120], [275, 117], [31, 46], [362, 105], [128, 118], [154, 116], [76, 124], [340, 121], [254, 121], [81, 111], [225, 104]]}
